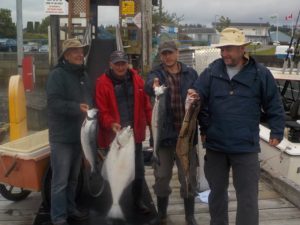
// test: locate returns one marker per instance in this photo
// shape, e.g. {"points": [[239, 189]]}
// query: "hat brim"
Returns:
{"points": [[118, 60], [85, 50], [230, 44], [167, 50]]}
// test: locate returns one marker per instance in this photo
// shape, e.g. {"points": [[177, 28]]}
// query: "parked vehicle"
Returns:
{"points": [[44, 48], [8, 45]]}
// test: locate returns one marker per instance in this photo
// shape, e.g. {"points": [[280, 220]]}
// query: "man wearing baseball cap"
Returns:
{"points": [[234, 89], [178, 78], [122, 102], [69, 98]]}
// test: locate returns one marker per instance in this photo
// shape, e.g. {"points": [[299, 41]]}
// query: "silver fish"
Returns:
{"points": [[119, 168], [88, 136], [158, 116]]}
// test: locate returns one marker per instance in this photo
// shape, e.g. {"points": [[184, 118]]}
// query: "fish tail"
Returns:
{"points": [[116, 212]]}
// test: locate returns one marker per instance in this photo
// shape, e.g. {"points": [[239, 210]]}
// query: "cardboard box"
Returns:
{"points": [[23, 162]]}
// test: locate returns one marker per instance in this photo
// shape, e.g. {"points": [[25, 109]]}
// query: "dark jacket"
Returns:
{"points": [[234, 106], [67, 86], [106, 102], [188, 77]]}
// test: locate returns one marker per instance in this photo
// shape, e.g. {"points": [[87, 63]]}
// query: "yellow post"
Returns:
{"points": [[17, 108]]}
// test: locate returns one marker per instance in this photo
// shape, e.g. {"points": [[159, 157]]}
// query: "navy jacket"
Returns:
{"points": [[68, 85], [188, 77], [234, 106]]}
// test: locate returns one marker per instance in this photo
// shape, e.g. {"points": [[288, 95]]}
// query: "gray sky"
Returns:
{"points": [[194, 11]]}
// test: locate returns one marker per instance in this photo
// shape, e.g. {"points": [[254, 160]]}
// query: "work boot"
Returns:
{"points": [[137, 193], [189, 207], [162, 204], [79, 215]]}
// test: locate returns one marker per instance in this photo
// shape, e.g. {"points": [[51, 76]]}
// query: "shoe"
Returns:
{"points": [[63, 222], [141, 207], [79, 215]]}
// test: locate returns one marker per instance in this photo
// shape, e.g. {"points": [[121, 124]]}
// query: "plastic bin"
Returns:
{"points": [[23, 162]]}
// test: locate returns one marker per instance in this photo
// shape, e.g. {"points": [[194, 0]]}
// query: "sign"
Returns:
{"points": [[127, 8], [28, 73], [55, 7], [137, 20]]}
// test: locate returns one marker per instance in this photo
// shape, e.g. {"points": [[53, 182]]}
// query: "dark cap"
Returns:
{"points": [[167, 46], [118, 56]]}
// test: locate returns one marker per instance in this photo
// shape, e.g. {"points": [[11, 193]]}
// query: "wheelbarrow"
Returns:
{"points": [[25, 167]]}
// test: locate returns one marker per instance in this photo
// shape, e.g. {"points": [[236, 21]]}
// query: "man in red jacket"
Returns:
{"points": [[122, 102]]}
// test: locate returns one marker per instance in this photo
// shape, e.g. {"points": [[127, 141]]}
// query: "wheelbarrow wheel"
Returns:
{"points": [[13, 193], [46, 187]]}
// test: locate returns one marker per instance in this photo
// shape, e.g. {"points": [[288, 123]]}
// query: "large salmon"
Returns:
{"points": [[88, 136], [158, 115], [187, 133], [119, 168]]}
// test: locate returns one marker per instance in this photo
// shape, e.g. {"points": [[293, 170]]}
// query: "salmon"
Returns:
{"points": [[187, 133]]}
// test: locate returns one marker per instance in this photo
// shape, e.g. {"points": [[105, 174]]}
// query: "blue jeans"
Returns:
{"points": [[65, 164]]}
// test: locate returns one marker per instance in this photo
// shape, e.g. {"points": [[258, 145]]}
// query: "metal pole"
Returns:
{"points": [[20, 53], [160, 15]]}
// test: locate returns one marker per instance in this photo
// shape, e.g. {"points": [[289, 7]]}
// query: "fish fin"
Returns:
{"points": [[115, 212]]}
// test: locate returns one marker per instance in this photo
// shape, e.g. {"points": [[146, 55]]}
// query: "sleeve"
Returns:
{"points": [[56, 99], [103, 102], [272, 106], [202, 86]]}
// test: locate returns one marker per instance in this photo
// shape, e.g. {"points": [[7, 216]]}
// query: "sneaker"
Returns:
{"points": [[79, 215]]}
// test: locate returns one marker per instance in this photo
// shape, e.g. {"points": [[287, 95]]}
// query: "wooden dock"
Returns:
{"points": [[274, 208]]}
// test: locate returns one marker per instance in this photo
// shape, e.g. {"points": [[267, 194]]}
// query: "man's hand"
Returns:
{"points": [[192, 94], [84, 107], [115, 127], [155, 82], [274, 141]]}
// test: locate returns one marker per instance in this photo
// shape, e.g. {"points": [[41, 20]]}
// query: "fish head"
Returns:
{"points": [[92, 113], [159, 90], [124, 135]]}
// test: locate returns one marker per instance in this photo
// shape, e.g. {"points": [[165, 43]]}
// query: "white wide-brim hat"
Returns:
{"points": [[73, 43], [231, 37]]}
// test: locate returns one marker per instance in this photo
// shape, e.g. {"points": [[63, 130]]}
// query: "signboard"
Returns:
{"points": [[28, 73], [138, 20], [127, 8], [55, 7]]}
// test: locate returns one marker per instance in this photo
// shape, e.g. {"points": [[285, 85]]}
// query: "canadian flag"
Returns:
{"points": [[289, 17]]}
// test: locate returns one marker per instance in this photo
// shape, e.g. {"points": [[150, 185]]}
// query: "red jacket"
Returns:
{"points": [[108, 109]]}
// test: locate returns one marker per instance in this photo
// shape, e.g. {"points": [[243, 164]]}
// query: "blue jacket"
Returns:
{"points": [[188, 77], [68, 85], [234, 106]]}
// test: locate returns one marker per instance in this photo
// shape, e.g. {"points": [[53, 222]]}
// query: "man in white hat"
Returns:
{"points": [[234, 89], [69, 98]]}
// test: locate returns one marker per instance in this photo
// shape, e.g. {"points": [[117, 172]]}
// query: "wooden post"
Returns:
{"points": [[54, 34]]}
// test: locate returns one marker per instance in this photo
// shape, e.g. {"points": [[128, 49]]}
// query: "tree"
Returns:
{"points": [[223, 23], [30, 27], [166, 19], [7, 27], [43, 28], [36, 27]]}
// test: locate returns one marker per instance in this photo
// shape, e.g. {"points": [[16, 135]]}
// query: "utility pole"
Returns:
{"points": [[160, 15], [19, 36]]}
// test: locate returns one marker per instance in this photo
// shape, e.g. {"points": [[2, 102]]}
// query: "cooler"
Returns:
{"points": [[23, 162]]}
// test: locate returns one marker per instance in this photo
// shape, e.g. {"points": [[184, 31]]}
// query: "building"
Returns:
{"points": [[202, 35]]}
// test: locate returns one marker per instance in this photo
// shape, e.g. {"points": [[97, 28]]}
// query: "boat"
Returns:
{"points": [[284, 159]]}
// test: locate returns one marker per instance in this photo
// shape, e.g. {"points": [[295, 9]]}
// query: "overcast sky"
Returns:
{"points": [[194, 11]]}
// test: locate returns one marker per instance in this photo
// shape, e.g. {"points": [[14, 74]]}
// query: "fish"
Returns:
{"points": [[119, 168], [187, 132], [158, 115], [88, 137]]}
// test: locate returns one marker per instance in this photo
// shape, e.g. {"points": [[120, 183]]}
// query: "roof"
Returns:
{"points": [[195, 30]]}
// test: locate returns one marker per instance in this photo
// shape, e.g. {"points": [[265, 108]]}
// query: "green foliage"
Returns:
{"points": [[7, 27], [165, 19], [36, 26], [223, 23], [35, 36], [43, 28], [30, 27]]}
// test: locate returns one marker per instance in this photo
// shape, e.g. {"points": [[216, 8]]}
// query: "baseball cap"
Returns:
{"points": [[118, 56]]}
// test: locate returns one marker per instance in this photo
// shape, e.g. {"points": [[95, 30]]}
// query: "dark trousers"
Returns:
{"points": [[245, 174], [139, 162]]}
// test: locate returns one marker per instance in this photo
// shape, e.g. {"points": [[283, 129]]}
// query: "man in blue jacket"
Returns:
{"points": [[235, 89], [178, 78]]}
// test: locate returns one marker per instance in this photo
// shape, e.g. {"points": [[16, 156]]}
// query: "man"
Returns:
{"points": [[178, 78], [122, 102], [234, 89], [69, 98]]}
